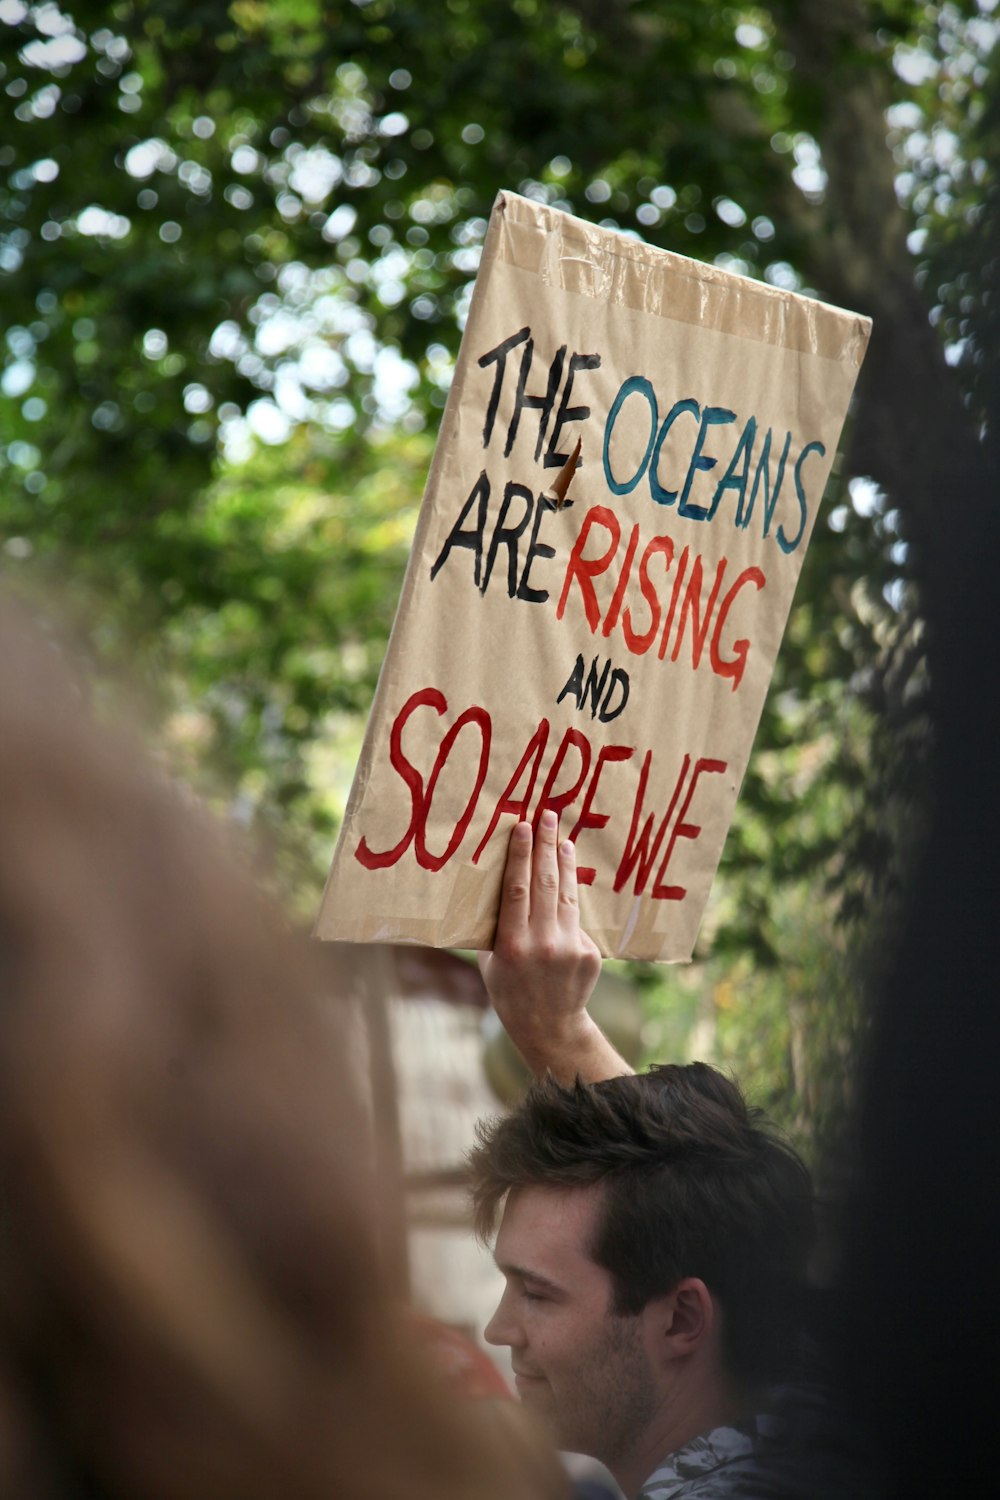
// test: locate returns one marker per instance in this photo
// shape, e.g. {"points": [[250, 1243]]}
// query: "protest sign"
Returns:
{"points": [[606, 652]]}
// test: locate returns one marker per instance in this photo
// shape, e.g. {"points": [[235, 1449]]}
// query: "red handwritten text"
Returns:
{"points": [[571, 784]]}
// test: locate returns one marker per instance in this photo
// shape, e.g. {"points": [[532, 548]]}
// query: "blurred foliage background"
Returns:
{"points": [[236, 246]]}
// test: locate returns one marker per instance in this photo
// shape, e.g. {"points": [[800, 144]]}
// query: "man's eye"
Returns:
{"points": [[531, 1296]]}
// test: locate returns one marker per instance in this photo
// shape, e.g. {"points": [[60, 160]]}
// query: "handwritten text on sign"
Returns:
{"points": [[506, 544], [606, 658]]}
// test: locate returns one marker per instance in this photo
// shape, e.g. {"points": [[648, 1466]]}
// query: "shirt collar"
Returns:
{"points": [[703, 1455]]}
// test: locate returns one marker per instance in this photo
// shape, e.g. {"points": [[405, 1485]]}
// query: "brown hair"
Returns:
{"points": [[191, 1303], [696, 1183]]}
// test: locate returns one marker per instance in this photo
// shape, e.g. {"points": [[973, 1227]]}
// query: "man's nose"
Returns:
{"points": [[500, 1329]]}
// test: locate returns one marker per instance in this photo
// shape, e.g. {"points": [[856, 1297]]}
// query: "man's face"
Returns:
{"points": [[581, 1367]]}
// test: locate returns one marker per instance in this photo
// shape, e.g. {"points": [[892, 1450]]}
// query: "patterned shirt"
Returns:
{"points": [[718, 1465]]}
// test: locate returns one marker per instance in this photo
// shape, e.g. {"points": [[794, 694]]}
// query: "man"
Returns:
{"points": [[654, 1229]]}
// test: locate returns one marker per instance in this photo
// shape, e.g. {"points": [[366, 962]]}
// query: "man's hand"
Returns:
{"points": [[543, 967]]}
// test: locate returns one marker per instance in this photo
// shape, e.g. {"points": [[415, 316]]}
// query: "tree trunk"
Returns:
{"points": [[912, 433]]}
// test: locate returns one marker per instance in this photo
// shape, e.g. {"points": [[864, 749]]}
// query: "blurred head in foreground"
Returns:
{"points": [[190, 1294]]}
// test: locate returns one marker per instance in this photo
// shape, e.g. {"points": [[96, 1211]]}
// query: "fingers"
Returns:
{"points": [[569, 895], [545, 875], [540, 893], [515, 896]]}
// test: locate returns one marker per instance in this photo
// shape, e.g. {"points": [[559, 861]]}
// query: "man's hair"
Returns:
{"points": [[696, 1183]]}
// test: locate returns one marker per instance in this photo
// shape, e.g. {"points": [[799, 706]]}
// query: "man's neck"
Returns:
{"points": [[686, 1417]]}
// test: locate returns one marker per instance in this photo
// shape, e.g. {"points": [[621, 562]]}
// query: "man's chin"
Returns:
{"points": [[530, 1387], [535, 1395]]}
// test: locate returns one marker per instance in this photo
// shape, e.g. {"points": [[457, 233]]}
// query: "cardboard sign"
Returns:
{"points": [[604, 652]]}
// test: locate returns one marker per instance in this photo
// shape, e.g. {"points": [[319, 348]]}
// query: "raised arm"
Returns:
{"points": [[544, 967]]}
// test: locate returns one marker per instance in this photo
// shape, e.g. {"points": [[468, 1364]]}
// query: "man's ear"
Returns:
{"points": [[682, 1319]]}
